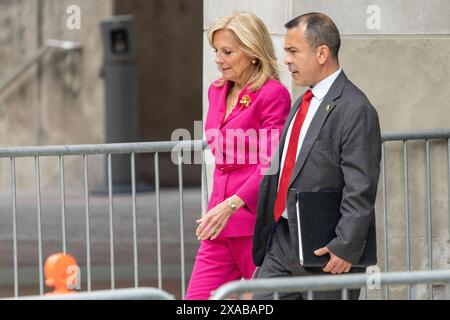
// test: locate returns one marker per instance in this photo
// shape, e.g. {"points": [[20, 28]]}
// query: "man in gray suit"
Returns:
{"points": [[331, 144]]}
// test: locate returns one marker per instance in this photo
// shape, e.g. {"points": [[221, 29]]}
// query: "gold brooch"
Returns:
{"points": [[245, 101]]}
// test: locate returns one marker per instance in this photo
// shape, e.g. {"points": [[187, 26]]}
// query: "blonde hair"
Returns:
{"points": [[255, 42]]}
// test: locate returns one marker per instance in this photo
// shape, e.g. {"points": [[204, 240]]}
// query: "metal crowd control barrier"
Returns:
{"points": [[312, 284], [427, 136], [158, 147], [117, 294], [108, 150], [410, 278]]}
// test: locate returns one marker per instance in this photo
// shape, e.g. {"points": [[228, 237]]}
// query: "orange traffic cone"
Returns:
{"points": [[62, 273]]}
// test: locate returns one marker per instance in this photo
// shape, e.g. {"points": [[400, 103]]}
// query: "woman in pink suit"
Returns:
{"points": [[247, 110]]}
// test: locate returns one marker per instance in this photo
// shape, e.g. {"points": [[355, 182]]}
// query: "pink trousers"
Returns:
{"points": [[220, 261]]}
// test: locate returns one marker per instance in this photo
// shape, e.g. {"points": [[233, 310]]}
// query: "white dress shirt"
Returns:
{"points": [[319, 91]]}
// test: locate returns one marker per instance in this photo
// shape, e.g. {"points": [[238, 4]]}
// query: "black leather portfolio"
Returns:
{"points": [[319, 215]]}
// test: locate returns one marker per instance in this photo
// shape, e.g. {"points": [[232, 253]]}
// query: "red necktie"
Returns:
{"points": [[291, 155]]}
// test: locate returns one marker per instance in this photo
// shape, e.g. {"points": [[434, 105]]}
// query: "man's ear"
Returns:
{"points": [[323, 54]]}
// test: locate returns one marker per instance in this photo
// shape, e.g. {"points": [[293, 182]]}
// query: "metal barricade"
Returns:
{"points": [[180, 147], [407, 139], [410, 278], [311, 284], [100, 149], [117, 294]]}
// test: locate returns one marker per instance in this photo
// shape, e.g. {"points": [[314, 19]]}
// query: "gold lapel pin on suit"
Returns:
{"points": [[328, 108], [245, 101]]}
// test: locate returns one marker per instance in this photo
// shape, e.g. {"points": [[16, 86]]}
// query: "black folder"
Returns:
{"points": [[319, 215]]}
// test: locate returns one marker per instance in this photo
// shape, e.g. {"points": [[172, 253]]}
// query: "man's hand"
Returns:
{"points": [[335, 265]]}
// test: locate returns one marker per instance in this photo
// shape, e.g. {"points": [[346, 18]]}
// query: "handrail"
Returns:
{"points": [[51, 44], [112, 148], [329, 282], [416, 135], [169, 146], [117, 294]]}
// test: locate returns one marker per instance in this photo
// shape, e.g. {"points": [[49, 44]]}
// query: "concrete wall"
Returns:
{"points": [[397, 53], [17, 105], [170, 85], [62, 103]]}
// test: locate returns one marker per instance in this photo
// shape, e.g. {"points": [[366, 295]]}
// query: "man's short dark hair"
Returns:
{"points": [[320, 30]]}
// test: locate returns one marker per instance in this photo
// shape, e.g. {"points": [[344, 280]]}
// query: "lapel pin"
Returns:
{"points": [[245, 101], [327, 108]]}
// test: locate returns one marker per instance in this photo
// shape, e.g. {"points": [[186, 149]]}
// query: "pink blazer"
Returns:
{"points": [[243, 145]]}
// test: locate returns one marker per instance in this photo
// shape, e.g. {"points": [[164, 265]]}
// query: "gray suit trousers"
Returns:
{"points": [[281, 261]]}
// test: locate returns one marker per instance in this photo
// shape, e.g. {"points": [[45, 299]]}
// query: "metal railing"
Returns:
{"points": [[409, 278], [85, 151], [117, 294], [344, 283], [405, 138], [100, 149], [51, 44]]}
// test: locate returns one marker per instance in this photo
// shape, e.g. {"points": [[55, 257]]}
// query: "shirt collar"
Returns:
{"points": [[320, 90]]}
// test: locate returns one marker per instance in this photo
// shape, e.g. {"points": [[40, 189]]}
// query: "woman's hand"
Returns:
{"points": [[213, 222]]}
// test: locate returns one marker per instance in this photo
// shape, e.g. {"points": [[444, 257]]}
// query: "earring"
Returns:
{"points": [[254, 61]]}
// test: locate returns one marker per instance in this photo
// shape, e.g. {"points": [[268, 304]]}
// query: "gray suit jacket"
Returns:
{"points": [[341, 152]]}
